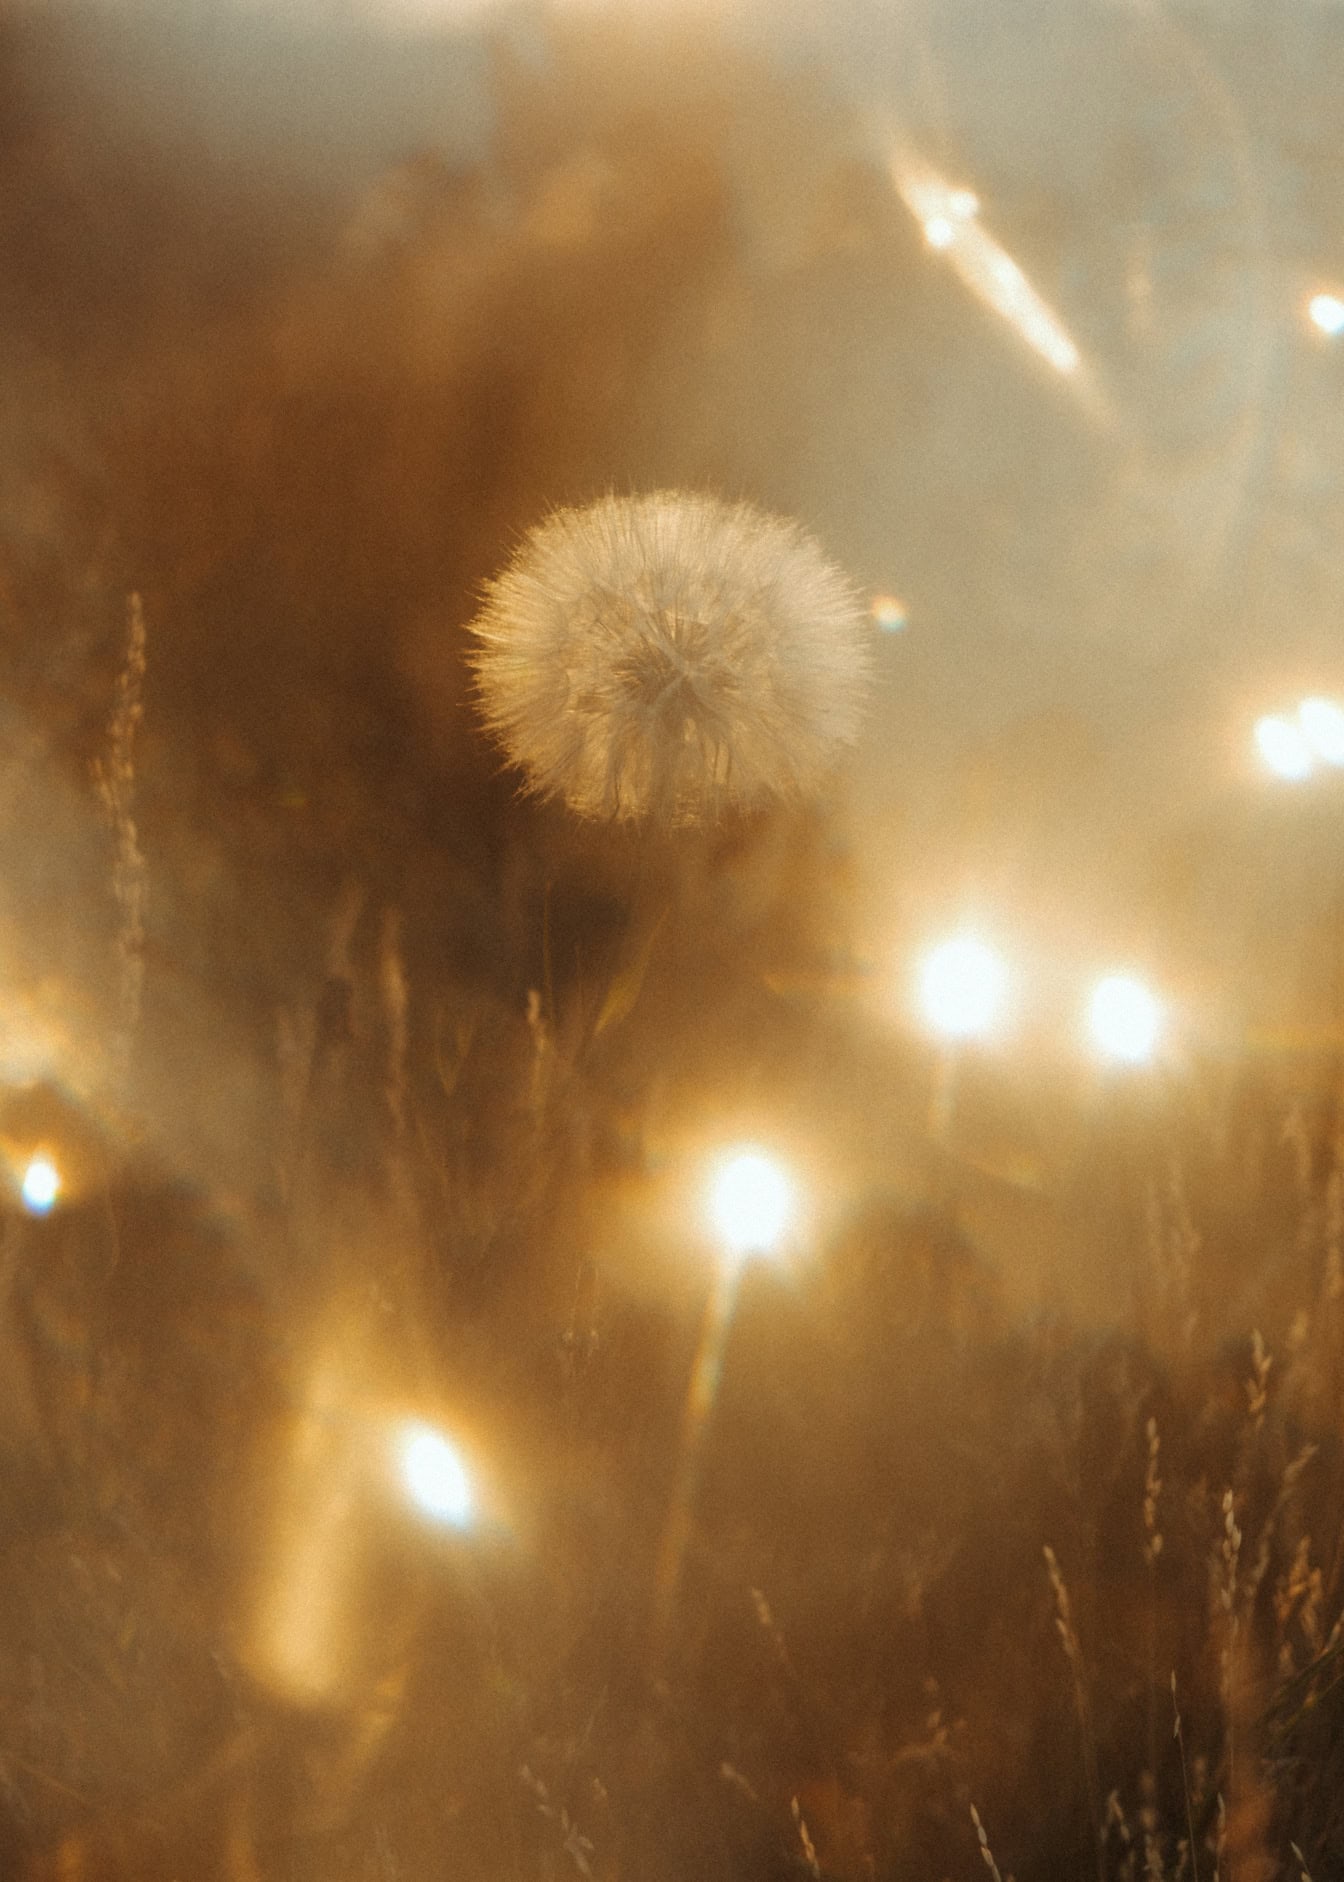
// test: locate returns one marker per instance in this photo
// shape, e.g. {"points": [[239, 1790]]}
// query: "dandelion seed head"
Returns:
{"points": [[671, 656]]}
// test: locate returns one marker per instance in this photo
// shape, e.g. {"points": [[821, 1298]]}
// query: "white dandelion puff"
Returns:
{"points": [[671, 656]]}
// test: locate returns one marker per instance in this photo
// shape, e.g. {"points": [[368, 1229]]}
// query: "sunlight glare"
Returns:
{"points": [[948, 217], [1322, 722], [41, 1186], [1283, 748], [961, 988], [1327, 313], [1124, 1019], [751, 1201], [436, 1477]]}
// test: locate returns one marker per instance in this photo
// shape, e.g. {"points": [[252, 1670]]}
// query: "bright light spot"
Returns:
{"points": [[1322, 722], [41, 1186], [436, 1477], [1124, 1019], [948, 218], [1327, 313], [961, 988], [888, 614], [1283, 748], [750, 1202]]}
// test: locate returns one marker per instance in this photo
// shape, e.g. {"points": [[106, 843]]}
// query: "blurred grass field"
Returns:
{"points": [[350, 1098]]}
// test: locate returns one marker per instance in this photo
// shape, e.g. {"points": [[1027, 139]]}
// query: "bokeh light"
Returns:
{"points": [[41, 1185], [1322, 723], [962, 984], [1327, 313], [436, 1477], [751, 1200], [1124, 1018], [1283, 747], [889, 615]]}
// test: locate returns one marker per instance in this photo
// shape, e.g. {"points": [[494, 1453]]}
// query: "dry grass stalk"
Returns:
{"points": [[1257, 1386], [1230, 1557], [986, 1853], [1179, 1736], [1250, 1587], [114, 781], [394, 994], [804, 1837], [1152, 1490], [1073, 1652]]}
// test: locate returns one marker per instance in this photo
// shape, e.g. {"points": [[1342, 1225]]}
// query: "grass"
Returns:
{"points": [[958, 1582], [1013, 1533]]}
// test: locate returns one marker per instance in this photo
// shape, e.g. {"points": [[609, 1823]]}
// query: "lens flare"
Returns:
{"points": [[1326, 312], [1283, 748], [949, 217], [962, 985], [41, 1186], [1322, 723], [889, 615], [435, 1477], [751, 1201], [1124, 1019]]}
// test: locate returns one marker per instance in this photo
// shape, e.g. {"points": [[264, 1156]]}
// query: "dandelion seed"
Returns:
{"points": [[670, 656]]}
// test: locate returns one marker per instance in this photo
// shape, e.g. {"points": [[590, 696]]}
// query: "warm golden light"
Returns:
{"points": [[435, 1477], [750, 1202], [962, 984], [41, 1186], [1327, 313], [949, 219], [1322, 723], [1124, 1019], [1283, 747]]}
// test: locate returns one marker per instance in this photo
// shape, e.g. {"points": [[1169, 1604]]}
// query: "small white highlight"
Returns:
{"points": [[1124, 1018], [1283, 747], [1326, 312], [1322, 723], [939, 231], [962, 984], [41, 1186], [435, 1476], [750, 1203]]}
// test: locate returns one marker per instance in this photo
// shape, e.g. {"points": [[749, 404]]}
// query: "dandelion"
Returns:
{"points": [[671, 656]]}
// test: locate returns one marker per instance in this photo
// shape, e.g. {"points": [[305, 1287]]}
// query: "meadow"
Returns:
{"points": [[404, 1474]]}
